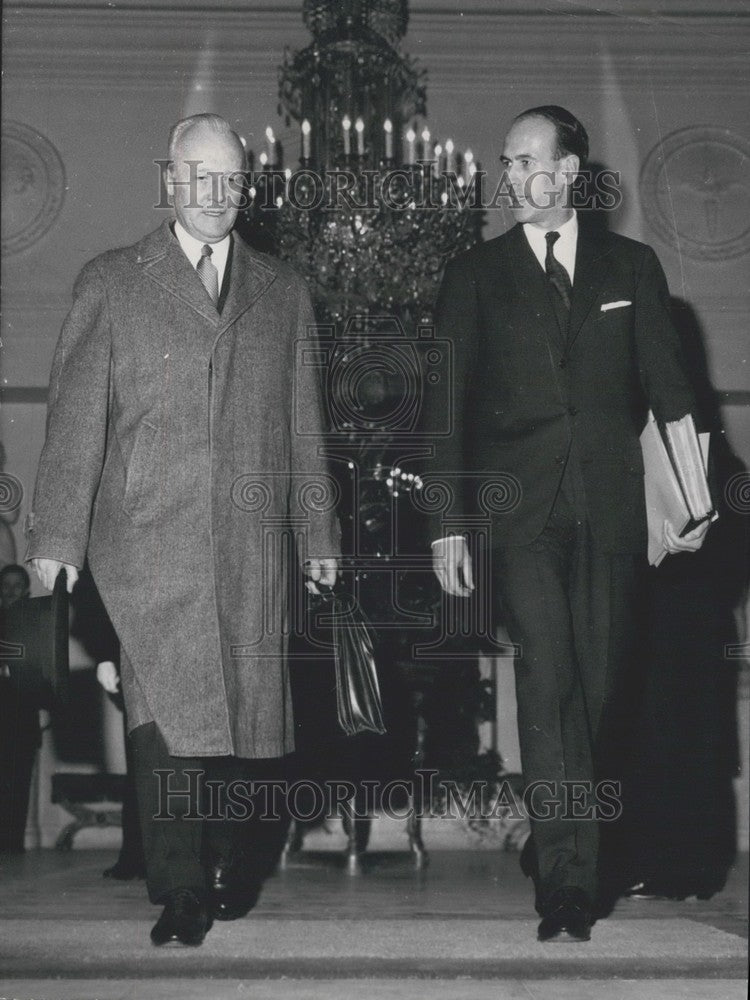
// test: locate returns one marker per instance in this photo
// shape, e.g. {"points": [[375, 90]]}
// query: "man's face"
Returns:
{"points": [[12, 588], [539, 180], [204, 203]]}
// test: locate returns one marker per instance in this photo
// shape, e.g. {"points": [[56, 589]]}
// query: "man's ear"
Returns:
{"points": [[570, 165], [169, 179]]}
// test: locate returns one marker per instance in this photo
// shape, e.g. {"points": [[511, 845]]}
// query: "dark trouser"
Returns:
{"points": [[131, 849], [16, 769], [180, 847], [19, 741], [568, 605]]}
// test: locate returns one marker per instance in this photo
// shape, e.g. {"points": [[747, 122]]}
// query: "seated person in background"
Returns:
{"points": [[19, 731]]}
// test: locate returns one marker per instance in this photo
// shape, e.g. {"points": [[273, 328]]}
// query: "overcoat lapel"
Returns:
{"points": [[165, 263], [249, 278]]}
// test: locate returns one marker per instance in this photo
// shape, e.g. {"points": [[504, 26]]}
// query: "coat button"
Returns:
{"points": [[572, 410], [563, 362]]}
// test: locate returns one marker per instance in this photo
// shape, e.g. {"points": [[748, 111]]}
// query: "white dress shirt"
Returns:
{"points": [[192, 249], [564, 248]]}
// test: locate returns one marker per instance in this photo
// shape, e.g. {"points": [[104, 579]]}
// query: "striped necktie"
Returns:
{"points": [[208, 274]]}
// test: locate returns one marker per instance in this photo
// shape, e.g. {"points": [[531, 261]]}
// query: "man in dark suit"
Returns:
{"points": [[182, 441], [562, 340]]}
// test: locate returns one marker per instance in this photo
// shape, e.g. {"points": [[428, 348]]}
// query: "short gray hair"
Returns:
{"points": [[214, 123]]}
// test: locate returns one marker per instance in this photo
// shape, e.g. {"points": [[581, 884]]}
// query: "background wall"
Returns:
{"points": [[103, 83]]}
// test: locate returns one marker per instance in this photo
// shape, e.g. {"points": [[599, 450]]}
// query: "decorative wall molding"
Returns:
{"points": [[636, 9], [136, 50], [89, 44]]}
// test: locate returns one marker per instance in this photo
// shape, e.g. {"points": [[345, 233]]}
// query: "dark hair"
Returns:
{"points": [[572, 137], [15, 568]]}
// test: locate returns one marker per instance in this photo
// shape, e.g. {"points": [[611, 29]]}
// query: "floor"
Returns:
{"points": [[462, 929]]}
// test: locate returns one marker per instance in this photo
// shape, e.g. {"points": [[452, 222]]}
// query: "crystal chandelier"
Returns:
{"points": [[375, 205]]}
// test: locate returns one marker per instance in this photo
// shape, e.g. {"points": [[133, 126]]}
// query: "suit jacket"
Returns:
{"points": [[181, 442], [528, 394]]}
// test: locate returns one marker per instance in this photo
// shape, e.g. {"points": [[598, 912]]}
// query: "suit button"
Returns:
{"points": [[572, 410], [563, 362]]}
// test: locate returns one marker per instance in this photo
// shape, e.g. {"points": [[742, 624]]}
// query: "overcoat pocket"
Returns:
{"points": [[140, 474]]}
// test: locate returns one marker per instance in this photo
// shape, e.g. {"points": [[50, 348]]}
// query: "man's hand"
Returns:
{"points": [[47, 570], [321, 571], [452, 564], [106, 674], [690, 542]]}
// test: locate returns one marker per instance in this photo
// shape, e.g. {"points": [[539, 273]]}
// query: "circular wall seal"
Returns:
{"points": [[696, 193], [33, 186]]}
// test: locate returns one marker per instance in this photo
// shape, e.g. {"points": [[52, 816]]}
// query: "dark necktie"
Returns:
{"points": [[208, 274], [557, 274]]}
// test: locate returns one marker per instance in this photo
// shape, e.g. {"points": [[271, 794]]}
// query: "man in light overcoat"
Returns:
{"points": [[182, 449]]}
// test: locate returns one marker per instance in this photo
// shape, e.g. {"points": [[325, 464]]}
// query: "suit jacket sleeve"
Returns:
{"points": [[443, 425], [71, 461], [663, 368], [314, 490]]}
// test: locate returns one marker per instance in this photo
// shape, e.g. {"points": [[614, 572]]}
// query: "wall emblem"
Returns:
{"points": [[33, 186], [695, 191]]}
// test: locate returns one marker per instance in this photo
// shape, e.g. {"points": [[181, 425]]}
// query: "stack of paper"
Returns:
{"points": [[676, 483]]}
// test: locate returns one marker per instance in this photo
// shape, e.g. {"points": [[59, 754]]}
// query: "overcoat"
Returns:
{"points": [[183, 453]]}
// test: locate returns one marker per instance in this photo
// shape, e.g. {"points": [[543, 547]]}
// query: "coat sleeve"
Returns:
{"points": [[314, 491], [661, 361], [443, 416], [73, 454]]}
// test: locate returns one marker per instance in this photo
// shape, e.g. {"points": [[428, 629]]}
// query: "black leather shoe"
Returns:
{"points": [[185, 920], [233, 891], [567, 916]]}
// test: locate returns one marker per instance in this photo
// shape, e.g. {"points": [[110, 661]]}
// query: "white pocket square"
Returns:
{"points": [[615, 305]]}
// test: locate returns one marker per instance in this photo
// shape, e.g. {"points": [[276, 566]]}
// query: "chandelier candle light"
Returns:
{"points": [[360, 106]]}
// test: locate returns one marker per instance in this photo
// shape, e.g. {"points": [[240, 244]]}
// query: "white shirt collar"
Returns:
{"points": [[192, 249], [564, 248]]}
